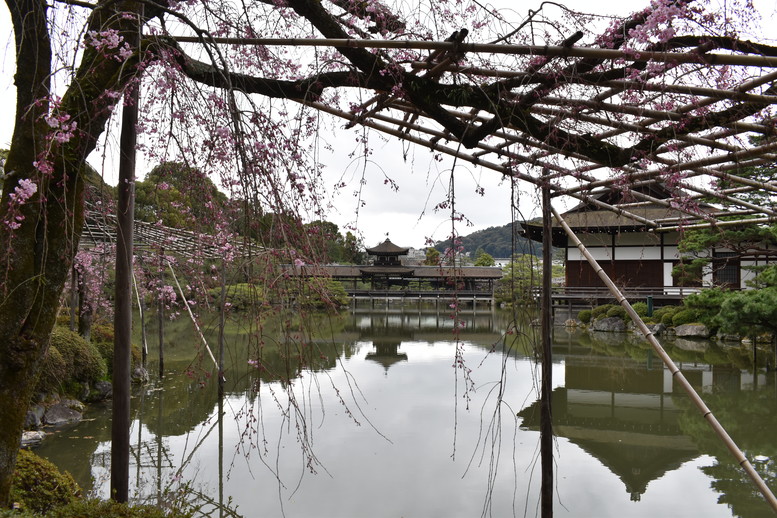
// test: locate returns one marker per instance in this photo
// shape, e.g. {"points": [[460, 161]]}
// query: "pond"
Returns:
{"points": [[397, 415]]}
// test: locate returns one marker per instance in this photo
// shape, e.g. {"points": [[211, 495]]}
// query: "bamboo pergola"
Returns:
{"points": [[591, 130], [694, 114], [151, 238]]}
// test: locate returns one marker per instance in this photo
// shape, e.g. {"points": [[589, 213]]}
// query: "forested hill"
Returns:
{"points": [[497, 241]]}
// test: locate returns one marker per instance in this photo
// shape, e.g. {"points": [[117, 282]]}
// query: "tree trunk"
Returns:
{"points": [[39, 237]]}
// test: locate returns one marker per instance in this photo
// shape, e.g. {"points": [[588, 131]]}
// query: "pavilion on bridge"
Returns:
{"points": [[389, 278]]}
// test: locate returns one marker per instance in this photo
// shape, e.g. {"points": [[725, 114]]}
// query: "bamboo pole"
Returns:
{"points": [[716, 224], [618, 85], [677, 374], [496, 48]]}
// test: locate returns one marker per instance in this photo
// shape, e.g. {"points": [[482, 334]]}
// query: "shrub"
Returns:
{"points": [[707, 305], [616, 311], [601, 311], [641, 308], [102, 333], [106, 352], [659, 313], [685, 316], [241, 296], [84, 362], [111, 509], [38, 486], [54, 372], [584, 316]]}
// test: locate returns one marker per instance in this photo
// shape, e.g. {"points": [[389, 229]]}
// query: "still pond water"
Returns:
{"points": [[385, 422]]}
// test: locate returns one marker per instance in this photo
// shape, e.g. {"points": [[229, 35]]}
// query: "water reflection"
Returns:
{"points": [[629, 443], [622, 414]]}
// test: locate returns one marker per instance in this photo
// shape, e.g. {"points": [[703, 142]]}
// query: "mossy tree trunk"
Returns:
{"points": [[36, 256]]}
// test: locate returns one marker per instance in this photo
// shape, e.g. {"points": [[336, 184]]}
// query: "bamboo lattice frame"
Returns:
{"points": [[591, 126]]}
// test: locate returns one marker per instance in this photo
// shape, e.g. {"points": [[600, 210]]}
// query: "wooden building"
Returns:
{"points": [[635, 256]]}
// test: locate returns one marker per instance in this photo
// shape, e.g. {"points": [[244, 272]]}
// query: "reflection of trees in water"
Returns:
{"points": [[751, 421], [690, 351]]}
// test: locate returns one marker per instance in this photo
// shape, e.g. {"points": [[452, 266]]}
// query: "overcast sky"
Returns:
{"points": [[406, 215]]}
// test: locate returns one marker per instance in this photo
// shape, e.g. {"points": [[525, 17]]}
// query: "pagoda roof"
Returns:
{"points": [[387, 248]]}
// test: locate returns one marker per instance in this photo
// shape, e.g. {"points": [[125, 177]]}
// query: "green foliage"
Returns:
{"points": [[70, 359], [684, 316], [333, 295], [432, 257], [660, 313], [496, 241], [38, 486], [111, 509], [484, 259], [178, 195], [83, 360], [54, 372], [102, 333], [749, 312], [601, 311], [766, 277], [584, 316], [105, 348], [240, 297], [706, 304], [326, 236], [616, 311], [689, 271], [641, 308], [520, 274]]}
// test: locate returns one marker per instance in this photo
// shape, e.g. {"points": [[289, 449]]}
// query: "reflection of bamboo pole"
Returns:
{"points": [[142, 311], [159, 428], [161, 316], [194, 320], [677, 375]]}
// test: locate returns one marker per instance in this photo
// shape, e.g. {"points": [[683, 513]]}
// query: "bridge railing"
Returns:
{"points": [[378, 293]]}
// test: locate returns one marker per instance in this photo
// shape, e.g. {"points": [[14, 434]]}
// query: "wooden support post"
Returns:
{"points": [[546, 414], [122, 322]]}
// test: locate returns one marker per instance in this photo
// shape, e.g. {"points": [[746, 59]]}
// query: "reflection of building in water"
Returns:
{"points": [[622, 414], [386, 353]]}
